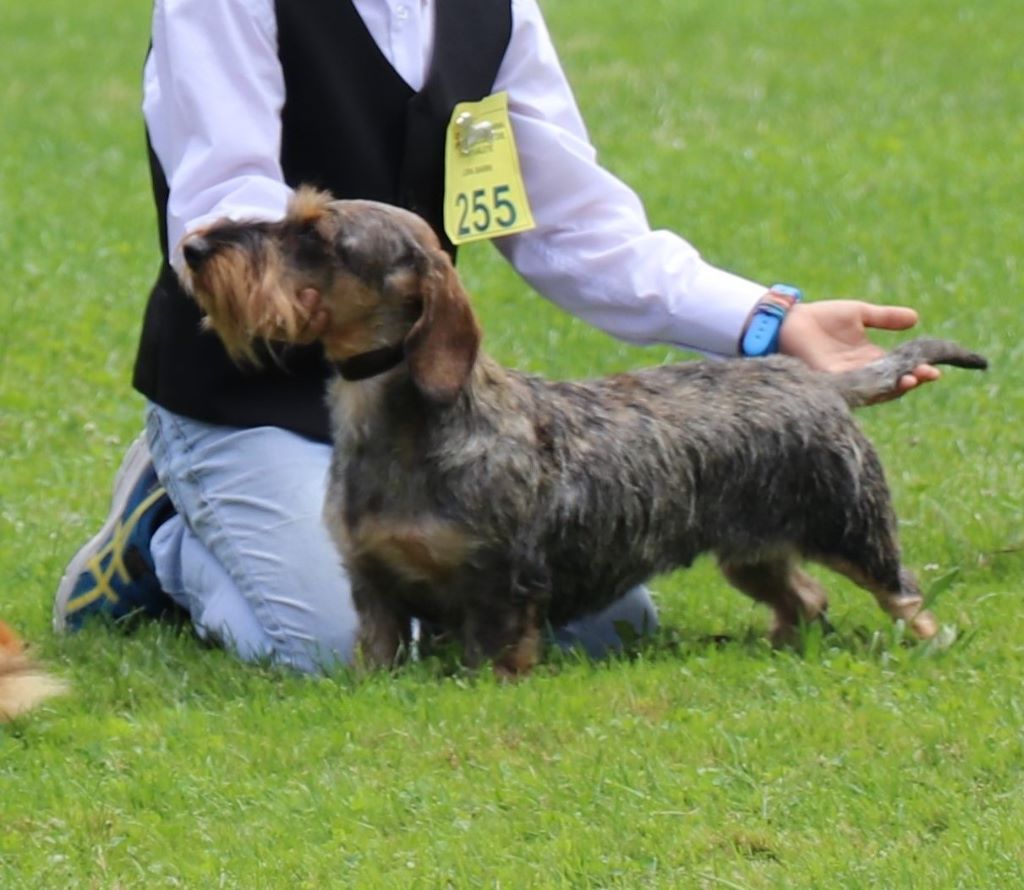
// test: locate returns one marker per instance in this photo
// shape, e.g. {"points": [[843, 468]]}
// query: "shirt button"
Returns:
{"points": [[402, 12]]}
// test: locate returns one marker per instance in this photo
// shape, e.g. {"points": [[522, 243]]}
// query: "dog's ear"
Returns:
{"points": [[442, 346]]}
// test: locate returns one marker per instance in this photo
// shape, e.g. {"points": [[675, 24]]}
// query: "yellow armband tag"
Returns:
{"points": [[484, 194]]}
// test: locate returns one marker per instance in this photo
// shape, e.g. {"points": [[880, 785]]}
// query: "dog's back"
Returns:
{"points": [[662, 464]]}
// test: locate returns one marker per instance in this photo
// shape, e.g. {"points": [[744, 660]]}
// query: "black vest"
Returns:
{"points": [[351, 125]]}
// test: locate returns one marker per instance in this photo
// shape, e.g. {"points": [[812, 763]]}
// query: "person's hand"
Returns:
{"points": [[317, 316], [832, 336]]}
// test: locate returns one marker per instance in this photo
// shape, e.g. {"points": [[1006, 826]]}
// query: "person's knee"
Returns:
{"points": [[600, 634], [307, 616], [330, 645]]}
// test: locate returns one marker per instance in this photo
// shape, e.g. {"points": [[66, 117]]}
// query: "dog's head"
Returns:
{"points": [[382, 277]]}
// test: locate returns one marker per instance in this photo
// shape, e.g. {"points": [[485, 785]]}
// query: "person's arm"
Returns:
{"points": [[593, 251], [213, 93]]}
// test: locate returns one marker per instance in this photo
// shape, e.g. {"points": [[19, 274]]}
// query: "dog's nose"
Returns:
{"points": [[195, 251]]}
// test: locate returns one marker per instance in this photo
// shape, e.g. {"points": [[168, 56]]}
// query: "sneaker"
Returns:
{"points": [[113, 574]]}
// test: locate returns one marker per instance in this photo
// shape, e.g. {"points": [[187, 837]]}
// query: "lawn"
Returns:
{"points": [[864, 148]]}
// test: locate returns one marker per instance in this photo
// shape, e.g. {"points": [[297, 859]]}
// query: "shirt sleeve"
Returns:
{"points": [[213, 91], [593, 251]]}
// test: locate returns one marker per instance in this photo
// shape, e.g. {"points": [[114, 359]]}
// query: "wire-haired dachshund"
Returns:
{"points": [[491, 502]]}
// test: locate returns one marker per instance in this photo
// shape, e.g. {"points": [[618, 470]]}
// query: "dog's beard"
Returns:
{"points": [[246, 301]]}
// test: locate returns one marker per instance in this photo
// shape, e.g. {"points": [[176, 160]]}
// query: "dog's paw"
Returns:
{"points": [[924, 625]]}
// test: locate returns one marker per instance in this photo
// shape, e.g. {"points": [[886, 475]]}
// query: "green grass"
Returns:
{"points": [[859, 148]]}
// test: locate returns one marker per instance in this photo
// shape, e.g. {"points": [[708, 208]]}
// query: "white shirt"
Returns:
{"points": [[213, 93]]}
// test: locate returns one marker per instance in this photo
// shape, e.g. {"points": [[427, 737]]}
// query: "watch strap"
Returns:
{"points": [[762, 334]]}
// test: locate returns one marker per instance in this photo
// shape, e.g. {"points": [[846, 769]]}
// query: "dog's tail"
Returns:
{"points": [[878, 380], [23, 684]]}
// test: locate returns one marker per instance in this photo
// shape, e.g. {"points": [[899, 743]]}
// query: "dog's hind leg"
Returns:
{"points": [[792, 594], [865, 545], [895, 589], [868, 553]]}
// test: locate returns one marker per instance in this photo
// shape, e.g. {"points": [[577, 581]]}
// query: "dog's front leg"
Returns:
{"points": [[504, 624], [384, 628], [509, 638]]}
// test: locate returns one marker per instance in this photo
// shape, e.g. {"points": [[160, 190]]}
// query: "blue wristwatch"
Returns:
{"points": [[762, 334]]}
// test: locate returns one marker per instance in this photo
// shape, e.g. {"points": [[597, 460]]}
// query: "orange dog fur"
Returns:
{"points": [[23, 684]]}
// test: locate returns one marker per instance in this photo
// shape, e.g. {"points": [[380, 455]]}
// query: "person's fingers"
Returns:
{"points": [[309, 299], [315, 316], [920, 375], [906, 383], [888, 318], [317, 323]]}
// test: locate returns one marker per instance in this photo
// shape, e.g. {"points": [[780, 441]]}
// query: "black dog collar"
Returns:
{"points": [[370, 364]]}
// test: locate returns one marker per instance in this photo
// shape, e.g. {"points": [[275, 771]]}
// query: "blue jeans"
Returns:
{"points": [[248, 556]]}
